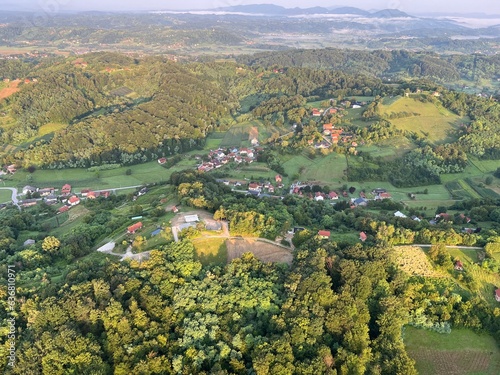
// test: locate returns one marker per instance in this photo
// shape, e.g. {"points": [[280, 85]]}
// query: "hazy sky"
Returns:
{"points": [[415, 6]]}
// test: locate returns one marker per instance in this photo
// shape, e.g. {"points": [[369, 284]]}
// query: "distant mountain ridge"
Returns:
{"points": [[277, 10]]}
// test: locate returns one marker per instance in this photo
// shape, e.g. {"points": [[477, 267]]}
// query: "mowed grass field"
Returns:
{"points": [[211, 251], [328, 170], [435, 122], [462, 352]]}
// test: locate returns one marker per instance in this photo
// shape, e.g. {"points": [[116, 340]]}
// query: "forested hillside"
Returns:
{"points": [[396, 64]]}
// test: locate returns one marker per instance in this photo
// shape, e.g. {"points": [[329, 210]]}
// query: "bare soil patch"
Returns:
{"points": [[263, 251], [12, 89]]}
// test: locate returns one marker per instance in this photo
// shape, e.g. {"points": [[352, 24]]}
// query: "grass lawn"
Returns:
{"points": [[462, 352], [390, 148], [435, 122], [211, 251], [5, 196]]}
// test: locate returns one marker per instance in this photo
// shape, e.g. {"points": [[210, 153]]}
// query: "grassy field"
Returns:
{"points": [[462, 352], [5, 196], [436, 123], [390, 148], [327, 170], [211, 251], [488, 280], [413, 261], [116, 178]]}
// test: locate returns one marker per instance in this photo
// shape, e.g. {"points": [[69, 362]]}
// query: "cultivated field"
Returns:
{"points": [[436, 123], [264, 251], [414, 262], [462, 352]]}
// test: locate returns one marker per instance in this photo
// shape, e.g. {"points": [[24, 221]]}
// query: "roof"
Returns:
{"points": [[191, 218], [363, 236], [63, 209], [74, 199], [134, 227], [327, 126], [497, 292], [324, 233]]}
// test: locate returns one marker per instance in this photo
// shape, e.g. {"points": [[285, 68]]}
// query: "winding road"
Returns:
{"points": [[15, 201]]}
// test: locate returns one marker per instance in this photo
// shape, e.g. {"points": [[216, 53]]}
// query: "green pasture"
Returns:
{"points": [[322, 169], [80, 178], [389, 148], [462, 352], [436, 123]]}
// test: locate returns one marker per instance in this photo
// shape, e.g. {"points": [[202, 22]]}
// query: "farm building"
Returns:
{"points": [[325, 234], [191, 218], [133, 228], [28, 243]]}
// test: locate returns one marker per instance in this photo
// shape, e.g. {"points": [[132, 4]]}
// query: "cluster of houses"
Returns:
{"points": [[50, 196], [220, 157], [265, 188], [10, 169]]}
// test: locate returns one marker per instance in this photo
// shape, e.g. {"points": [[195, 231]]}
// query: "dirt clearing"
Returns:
{"points": [[11, 89], [263, 251]]}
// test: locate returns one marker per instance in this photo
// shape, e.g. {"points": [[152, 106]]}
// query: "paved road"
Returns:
{"points": [[15, 201]]}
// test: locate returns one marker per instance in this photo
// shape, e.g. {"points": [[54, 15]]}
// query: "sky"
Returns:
{"points": [[410, 6]]}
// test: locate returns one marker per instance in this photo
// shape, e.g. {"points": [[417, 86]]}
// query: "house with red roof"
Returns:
{"points": [[458, 265], [497, 295], [325, 234], [363, 236], [315, 112], [278, 178], [63, 209], [327, 126], [133, 228], [74, 200], [162, 160], [66, 189], [333, 195]]}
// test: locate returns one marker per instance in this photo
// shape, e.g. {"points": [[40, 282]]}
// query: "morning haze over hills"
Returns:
{"points": [[249, 190]]}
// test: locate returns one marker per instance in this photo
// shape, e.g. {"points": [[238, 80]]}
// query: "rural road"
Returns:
{"points": [[15, 201], [447, 246]]}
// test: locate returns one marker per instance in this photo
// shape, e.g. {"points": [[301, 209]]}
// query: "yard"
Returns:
{"points": [[462, 352]]}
